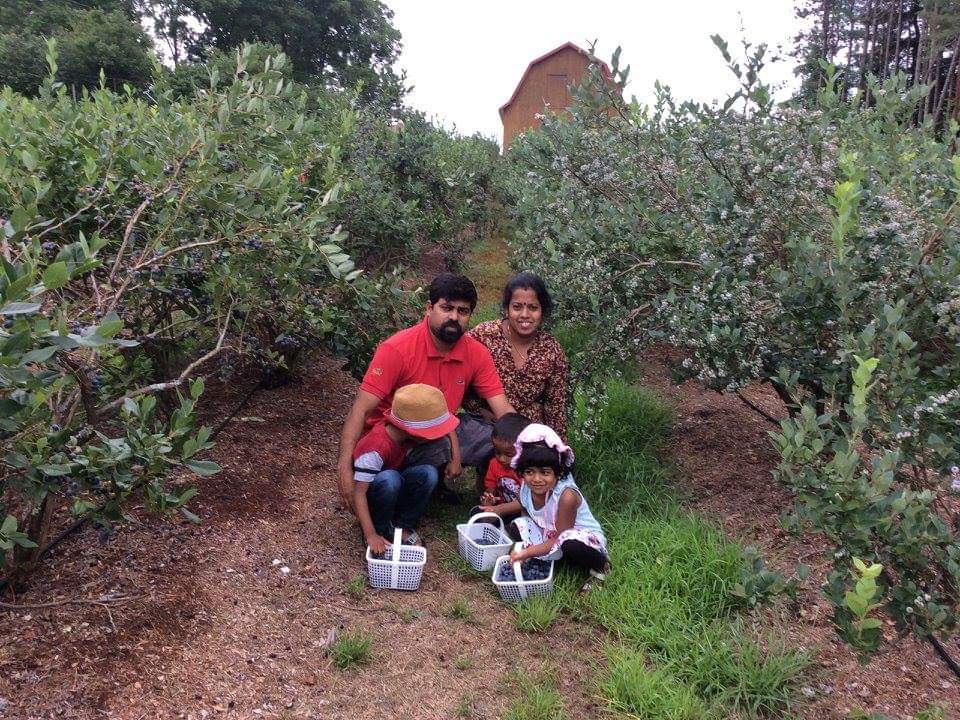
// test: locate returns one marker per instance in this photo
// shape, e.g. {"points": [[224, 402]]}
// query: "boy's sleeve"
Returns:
{"points": [[366, 466], [383, 373]]}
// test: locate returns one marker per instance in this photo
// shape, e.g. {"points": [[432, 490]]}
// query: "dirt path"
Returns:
{"points": [[214, 627]]}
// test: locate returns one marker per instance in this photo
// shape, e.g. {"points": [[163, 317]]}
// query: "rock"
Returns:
{"points": [[808, 692]]}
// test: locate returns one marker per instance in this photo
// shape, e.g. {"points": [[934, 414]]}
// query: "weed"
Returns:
{"points": [[408, 615], [453, 562], [538, 700], [464, 662], [356, 586], [535, 614], [461, 610], [465, 706], [633, 688], [351, 649]]}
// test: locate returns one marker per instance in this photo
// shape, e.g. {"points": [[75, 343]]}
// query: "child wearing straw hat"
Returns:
{"points": [[385, 497]]}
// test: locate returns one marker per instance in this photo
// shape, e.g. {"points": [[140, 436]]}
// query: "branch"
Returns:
{"points": [[183, 377]]}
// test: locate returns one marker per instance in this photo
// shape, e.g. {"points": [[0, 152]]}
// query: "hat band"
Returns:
{"points": [[421, 424]]}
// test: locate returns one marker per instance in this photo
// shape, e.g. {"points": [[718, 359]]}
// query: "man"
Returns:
{"points": [[435, 352]]}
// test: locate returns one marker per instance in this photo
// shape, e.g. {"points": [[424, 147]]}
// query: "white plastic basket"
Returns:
{"points": [[482, 557], [513, 591], [404, 568]]}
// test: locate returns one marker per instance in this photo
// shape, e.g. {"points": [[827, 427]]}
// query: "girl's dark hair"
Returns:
{"points": [[538, 454], [527, 281], [449, 287], [509, 426]]}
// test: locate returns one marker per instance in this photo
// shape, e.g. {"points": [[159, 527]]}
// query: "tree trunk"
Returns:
{"points": [[38, 529]]}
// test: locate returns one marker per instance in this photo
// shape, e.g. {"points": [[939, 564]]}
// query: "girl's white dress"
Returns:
{"points": [[540, 524]]}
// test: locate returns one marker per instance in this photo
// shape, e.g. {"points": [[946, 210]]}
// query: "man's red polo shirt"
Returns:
{"points": [[410, 356]]}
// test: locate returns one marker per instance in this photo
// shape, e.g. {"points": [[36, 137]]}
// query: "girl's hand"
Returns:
{"points": [[519, 555], [453, 470], [489, 509]]}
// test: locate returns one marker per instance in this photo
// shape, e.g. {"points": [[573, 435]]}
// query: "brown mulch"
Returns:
{"points": [[724, 459], [202, 621]]}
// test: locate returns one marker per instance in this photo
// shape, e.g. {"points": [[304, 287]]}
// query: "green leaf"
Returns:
{"points": [[203, 467], [19, 308], [39, 355], [9, 525], [56, 275]]}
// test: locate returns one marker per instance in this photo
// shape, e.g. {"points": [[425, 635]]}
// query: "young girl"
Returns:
{"points": [[557, 521]]}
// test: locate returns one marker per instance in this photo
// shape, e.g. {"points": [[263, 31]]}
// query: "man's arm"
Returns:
{"points": [[364, 404], [499, 406]]}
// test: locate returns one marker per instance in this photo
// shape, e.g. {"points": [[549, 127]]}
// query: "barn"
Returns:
{"points": [[546, 81]]}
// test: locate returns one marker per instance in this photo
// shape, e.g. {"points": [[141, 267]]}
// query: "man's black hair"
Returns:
{"points": [[509, 426], [538, 454], [450, 286], [527, 281]]}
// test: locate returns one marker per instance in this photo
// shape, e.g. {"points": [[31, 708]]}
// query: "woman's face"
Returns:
{"points": [[524, 313]]}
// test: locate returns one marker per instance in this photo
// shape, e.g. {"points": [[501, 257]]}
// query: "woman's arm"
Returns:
{"points": [[566, 515]]}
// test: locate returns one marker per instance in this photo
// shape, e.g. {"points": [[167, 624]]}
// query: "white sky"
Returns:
{"points": [[465, 57]]}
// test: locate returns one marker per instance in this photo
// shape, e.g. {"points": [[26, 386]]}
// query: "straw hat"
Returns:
{"points": [[421, 410]]}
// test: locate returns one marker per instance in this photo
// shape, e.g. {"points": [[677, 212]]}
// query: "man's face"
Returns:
{"points": [[448, 319]]}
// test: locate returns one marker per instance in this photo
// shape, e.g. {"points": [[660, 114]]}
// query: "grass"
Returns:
{"points": [[677, 639], [356, 587], [461, 609], [464, 662], [453, 562], [408, 615], [536, 614], [465, 706], [538, 698], [351, 649]]}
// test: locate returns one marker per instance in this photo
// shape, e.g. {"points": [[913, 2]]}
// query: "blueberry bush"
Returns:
{"points": [[812, 248], [151, 240]]}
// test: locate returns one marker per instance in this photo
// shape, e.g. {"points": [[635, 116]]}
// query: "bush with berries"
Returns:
{"points": [[150, 241], [812, 248]]}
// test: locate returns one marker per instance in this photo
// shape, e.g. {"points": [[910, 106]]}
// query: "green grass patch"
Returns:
{"points": [[351, 649], [461, 609], [538, 698], [682, 651]]}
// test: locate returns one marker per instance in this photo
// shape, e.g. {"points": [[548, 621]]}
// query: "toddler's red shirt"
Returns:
{"points": [[495, 471]]}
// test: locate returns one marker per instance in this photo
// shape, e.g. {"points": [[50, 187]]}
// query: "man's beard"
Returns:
{"points": [[449, 332]]}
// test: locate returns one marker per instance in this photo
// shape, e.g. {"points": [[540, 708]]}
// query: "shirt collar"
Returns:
{"points": [[458, 353]]}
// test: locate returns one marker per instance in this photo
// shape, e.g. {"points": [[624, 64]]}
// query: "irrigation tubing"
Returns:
{"points": [[79, 523], [757, 408], [944, 655]]}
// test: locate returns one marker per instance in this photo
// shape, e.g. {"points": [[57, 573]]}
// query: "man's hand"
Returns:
{"points": [[345, 486], [378, 544]]}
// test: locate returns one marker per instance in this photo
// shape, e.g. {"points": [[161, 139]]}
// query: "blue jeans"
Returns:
{"points": [[398, 499]]}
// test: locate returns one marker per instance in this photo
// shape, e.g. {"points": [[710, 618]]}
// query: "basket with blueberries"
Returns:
{"points": [[481, 543], [516, 581]]}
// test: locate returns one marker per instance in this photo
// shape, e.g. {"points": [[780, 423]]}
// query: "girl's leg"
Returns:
{"points": [[582, 555]]}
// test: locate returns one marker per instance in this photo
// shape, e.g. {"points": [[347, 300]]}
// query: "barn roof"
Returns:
{"points": [[603, 67]]}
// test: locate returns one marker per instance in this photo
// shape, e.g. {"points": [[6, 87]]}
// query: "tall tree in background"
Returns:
{"points": [[91, 35], [920, 38], [172, 24], [339, 42]]}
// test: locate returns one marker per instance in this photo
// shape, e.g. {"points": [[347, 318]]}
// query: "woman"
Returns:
{"points": [[530, 361]]}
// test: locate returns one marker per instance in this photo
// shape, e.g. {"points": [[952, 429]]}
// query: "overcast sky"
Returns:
{"points": [[465, 57]]}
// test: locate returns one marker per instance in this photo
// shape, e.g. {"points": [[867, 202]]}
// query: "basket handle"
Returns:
{"points": [[395, 561], [521, 588], [479, 515]]}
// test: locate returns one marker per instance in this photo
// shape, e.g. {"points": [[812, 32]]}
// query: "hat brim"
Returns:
{"points": [[430, 433]]}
